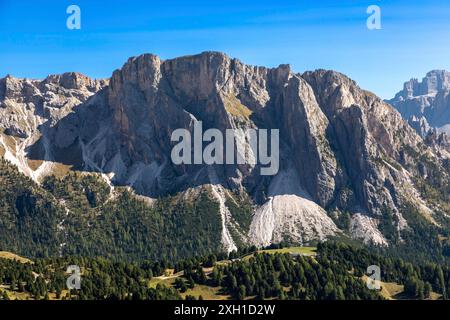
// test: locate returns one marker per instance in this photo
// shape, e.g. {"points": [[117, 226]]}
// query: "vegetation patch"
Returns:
{"points": [[15, 257], [336, 272], [241, 210], [236, 108]]}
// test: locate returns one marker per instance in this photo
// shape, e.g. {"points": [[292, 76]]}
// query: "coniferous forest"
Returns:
{"points": [[125, 248], [334, 273]]}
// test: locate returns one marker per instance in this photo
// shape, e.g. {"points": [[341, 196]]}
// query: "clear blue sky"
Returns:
{"points": [[415, 36]]}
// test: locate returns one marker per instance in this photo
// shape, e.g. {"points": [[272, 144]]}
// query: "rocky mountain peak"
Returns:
{"points": [[76, 81], [434, 82], [342, 149], [428, 98]]}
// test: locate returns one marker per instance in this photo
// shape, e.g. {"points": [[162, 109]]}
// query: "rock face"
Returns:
{"points": [[427, 102], [29, 110], [342, 149]]}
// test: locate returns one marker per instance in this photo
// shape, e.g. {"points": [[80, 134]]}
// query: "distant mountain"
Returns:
{"points": [[350, 166], [426, 104]]}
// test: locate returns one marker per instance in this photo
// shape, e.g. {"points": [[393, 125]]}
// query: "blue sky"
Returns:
{"points": [[414, 38]]}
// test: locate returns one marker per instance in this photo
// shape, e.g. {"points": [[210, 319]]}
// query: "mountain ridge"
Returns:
{"points": [[342, 148], [425, 104]]}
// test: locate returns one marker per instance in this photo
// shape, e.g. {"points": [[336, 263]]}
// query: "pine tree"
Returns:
{"points": [[241, 292], [5, 296], [427, 290]]}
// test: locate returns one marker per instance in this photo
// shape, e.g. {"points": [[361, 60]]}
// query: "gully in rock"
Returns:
{"points": [[256, 151]]}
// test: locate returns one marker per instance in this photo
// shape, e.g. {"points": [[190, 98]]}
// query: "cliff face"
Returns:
{"points": [[342, 149], [427, 102], [29, 112]]}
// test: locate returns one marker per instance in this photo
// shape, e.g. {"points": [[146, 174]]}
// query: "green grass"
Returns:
{"points": [[236, 108], [395, 291], [166, 281], [12, 256], [312, 251], [307, 251], [207, 292]]}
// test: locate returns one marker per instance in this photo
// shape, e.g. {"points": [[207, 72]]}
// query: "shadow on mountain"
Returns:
{"points": [[69, 142], [61, 142]]}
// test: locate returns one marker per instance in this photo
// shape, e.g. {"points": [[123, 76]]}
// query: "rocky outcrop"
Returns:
{"points": [[428, 99], [31, 127], [341, 148], [421, 125]]}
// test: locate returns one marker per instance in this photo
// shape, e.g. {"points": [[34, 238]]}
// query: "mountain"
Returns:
{"points": [[99, 153], [426, 104]]}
